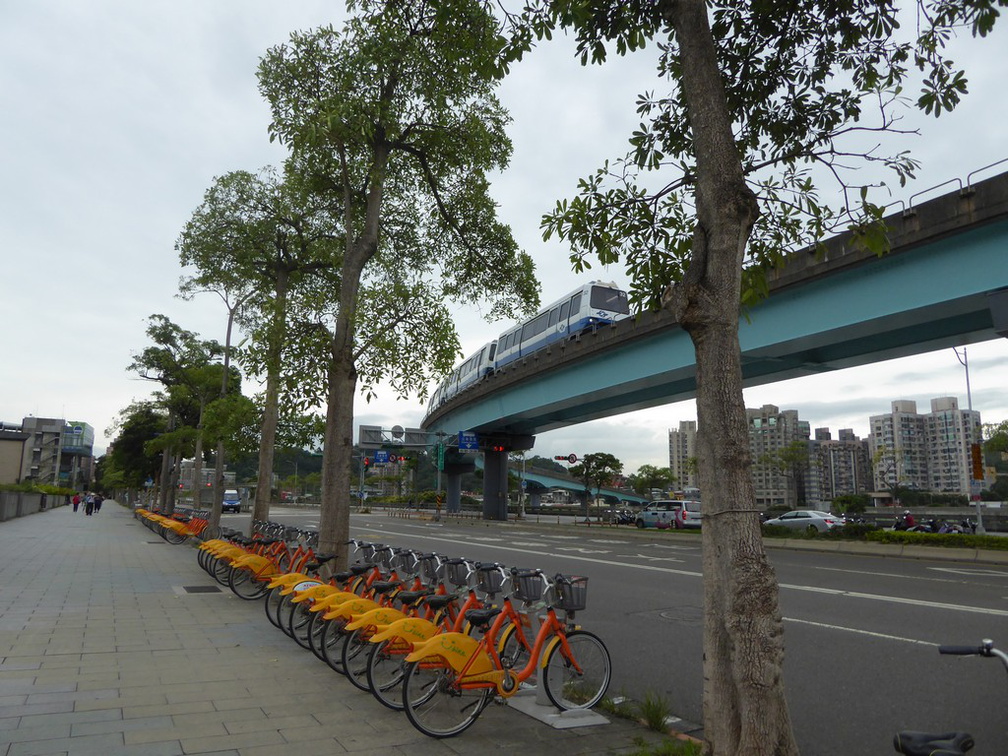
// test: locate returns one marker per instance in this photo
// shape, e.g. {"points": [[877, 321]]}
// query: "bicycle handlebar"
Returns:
{"points": [[962, 650]]}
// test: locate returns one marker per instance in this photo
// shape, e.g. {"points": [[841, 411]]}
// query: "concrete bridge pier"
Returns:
{"points": [[495, 485]]}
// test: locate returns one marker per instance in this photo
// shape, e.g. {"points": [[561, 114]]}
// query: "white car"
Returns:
{"points": [[807, 519]]}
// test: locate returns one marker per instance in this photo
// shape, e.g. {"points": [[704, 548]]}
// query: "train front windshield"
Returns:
{"points": [[606, 298]]}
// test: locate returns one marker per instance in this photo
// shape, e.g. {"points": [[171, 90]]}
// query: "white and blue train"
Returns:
{"points": [[586, 307]]}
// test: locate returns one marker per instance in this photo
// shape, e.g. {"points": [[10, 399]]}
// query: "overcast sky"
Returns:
{"points": [[116, 116]]}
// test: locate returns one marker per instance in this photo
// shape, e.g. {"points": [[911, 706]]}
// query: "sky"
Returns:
{"points": [[116, 116]]}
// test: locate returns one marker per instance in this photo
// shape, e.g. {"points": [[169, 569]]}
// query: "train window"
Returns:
{"points": [[554, 316], [576, 305], [492, 352], [607, 298], [564, 310]]}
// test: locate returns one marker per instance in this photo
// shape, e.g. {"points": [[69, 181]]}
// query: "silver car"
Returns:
{"points": [[806, 519]]}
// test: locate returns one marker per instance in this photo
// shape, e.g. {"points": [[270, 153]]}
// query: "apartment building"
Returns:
{"points": [[682, 453], [778, 443], [926, 452], [837, 467]]}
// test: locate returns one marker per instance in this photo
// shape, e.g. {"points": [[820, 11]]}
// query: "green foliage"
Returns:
{"points": [[668, 748], [650, 477], [957, 540], [131, 457], [801, 94], [655, 711]]}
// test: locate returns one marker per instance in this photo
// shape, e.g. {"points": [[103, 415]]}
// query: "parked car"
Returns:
{"points": [[669, 514], [232, 501], [806, 519]]}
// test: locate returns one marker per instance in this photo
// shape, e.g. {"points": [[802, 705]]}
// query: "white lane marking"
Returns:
{"points": [[972, 571], [809, 589], [857, 631], [898, 600], [657, 558]]}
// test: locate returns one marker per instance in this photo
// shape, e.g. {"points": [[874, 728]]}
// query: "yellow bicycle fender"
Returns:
{"points": [[291, 578], [326, 603], [348, 609], [380, 617], [412, 630], [546, 649], [456, 650], [252, 562]]}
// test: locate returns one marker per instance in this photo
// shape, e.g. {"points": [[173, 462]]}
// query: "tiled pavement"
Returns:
{"points": [[107, 647]]}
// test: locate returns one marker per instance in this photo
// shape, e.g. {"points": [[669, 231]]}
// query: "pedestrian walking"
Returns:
{"points": [[98, 499], [88, 504], [76, 501]]}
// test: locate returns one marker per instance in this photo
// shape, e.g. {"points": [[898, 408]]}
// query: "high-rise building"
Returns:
{"points": [[924, 452], [778, 443], [682, 454], [837, 467]]}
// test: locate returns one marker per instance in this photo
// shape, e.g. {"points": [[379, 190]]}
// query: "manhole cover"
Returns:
{"points": [[201, 589], [687, 615]]}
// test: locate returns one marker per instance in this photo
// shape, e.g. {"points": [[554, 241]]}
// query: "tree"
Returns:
{"points": [[129, 456], [595, 470], [258, 240], [648, 478], [760, 93], [395, 115]]}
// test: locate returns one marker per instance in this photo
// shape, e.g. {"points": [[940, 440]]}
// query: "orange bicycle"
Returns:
{"points": [[450, 680]]}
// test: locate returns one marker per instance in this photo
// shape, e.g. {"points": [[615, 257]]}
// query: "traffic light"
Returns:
{"points": [[367, 462], [496, 447], [976, 458]]}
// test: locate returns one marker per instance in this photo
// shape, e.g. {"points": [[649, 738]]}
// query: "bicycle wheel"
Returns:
{"points": [[284, 611], [297, 623], [435, 704], [211, 532], [578, 680], [331, 643], [272, 603], [245, 586], [174, 537], [355, 657], [315, 626], [385, 674], [221, 569]]}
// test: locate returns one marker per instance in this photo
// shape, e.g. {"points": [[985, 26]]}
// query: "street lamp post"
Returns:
{"points": [[964, 361]]}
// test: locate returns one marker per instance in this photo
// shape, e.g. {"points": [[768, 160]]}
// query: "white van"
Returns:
{"points": [[232, 501], [670, 513]]}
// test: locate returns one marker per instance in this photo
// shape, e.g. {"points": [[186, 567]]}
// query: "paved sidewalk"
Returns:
{"points": [[108, 647]]}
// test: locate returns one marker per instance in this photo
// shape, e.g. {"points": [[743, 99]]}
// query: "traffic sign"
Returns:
{"points": [[468, 442], [381, 457]]}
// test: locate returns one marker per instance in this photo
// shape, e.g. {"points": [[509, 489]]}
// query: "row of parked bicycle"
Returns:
{"points": [[434, 636]]}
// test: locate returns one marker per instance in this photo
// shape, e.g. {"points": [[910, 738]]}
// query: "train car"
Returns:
{"points": [[469, 373], [596, 303]]}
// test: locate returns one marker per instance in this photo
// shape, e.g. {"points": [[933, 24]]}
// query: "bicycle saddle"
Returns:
{"points": [[913, 743]]}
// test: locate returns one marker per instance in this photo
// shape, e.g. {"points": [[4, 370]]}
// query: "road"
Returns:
{"points": [[861, 632]]}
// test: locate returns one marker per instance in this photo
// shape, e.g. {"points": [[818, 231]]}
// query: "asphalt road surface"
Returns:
{"points": [[861, 633]]}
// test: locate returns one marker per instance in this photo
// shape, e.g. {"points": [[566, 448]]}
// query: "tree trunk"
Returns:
{"points": [[745, 711], [337, 456], [218, 481], [271, 410]]}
